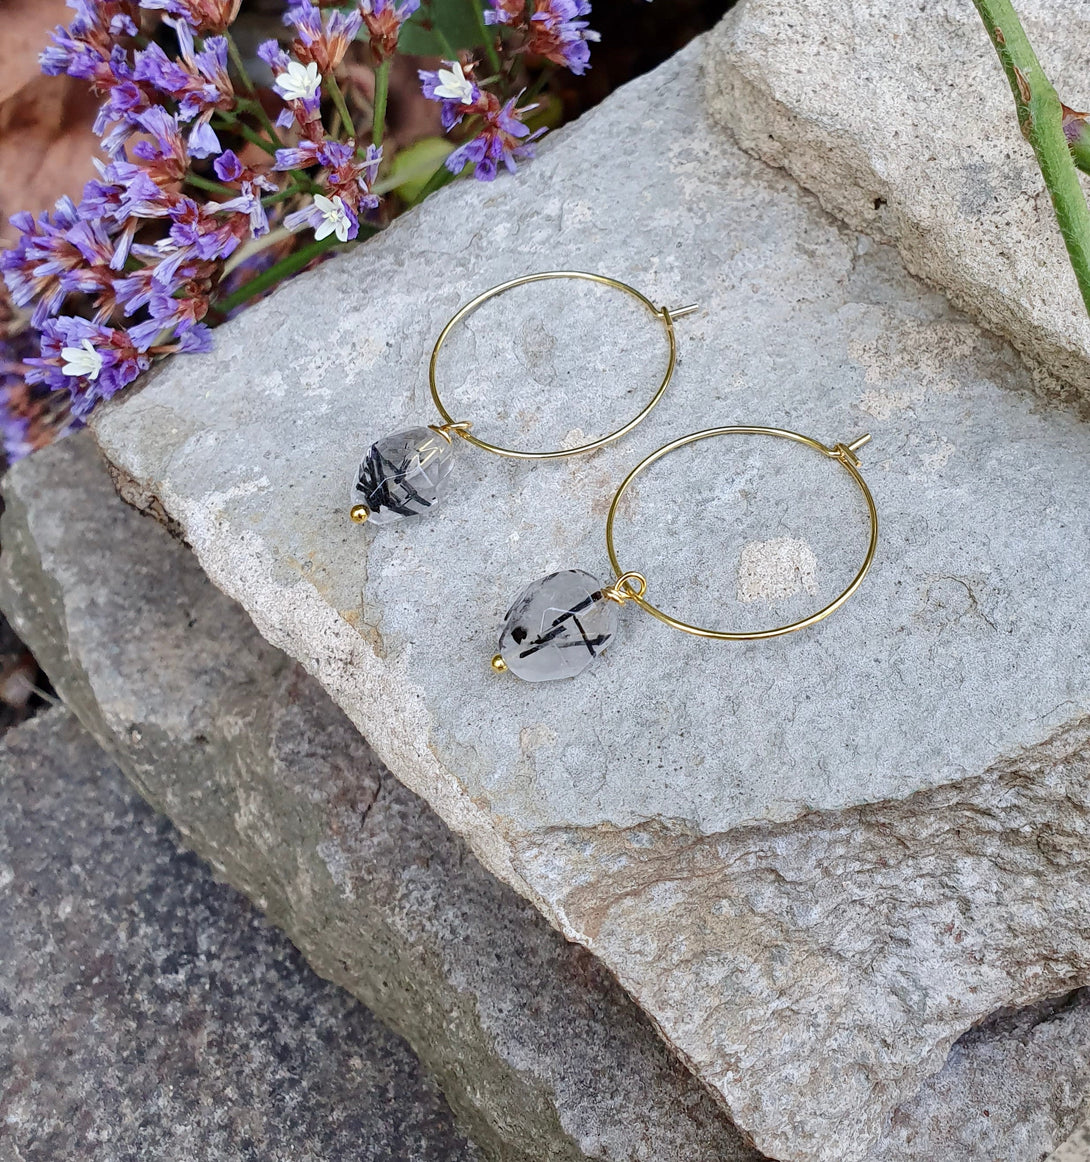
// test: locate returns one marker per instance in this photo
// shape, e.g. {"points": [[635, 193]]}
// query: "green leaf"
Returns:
{"points": [[414, 167], [442, 27]]}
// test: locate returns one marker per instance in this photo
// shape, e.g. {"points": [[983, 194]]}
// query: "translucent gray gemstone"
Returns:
{"points": [[404, 475], [557, 626]]}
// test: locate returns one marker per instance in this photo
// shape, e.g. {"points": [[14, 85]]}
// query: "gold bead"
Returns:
{"points": [[499, 665], [359, 513]]}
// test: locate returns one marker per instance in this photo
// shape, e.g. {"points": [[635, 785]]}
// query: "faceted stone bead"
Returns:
{"points": [[404, 475], [557, 626]]}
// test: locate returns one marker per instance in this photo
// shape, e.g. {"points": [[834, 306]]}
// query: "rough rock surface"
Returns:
{"points": [[1075, 1149], [146, 1011], [899, 118], [1006, 1093], [539, 1052], [417, 919], [814, 861]]}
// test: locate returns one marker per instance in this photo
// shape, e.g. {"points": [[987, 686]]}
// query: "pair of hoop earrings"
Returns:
{"points": [[557, 626]]}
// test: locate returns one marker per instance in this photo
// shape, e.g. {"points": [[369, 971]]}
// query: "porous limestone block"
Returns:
{"points": [[814, 861], [900, 119]]}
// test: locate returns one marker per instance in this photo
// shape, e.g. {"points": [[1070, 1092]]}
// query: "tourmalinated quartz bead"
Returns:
{"points": [[403, 475], [556, 627]]}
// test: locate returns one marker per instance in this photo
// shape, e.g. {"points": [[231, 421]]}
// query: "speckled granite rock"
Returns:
{"points": [[147, 1013], [899, 118], [415, 915], [537, 1049], [849, 844]]}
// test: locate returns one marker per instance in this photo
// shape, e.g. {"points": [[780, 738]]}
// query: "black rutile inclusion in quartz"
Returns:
{"points": [[404, 475], [557, 626]]}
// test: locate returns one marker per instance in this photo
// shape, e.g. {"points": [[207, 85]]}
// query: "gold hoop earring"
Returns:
{"points": [[406, 474], [558, 626]]}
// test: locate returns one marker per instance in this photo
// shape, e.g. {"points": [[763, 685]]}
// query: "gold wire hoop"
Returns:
{"points": [[661, 313], [844, 454]]}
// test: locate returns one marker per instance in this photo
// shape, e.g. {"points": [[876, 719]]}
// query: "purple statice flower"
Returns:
{"points": [[347, 177], [455, 92], [189, 339], [165, 156], [30, 417], [202, 140], [273, 54], [89, 360], [505, 12], [228, 168], [16, 435], [133, 291], [302, 156], [384, 19], [558, 33], [321, 43], [197, 232], [248, 202], [371, 162], [126, 99], [195, 340], [503, 139], [250, 184], [325, 216], [203, 16], [126, 197], [85, 49], [36, 268], [169, 314], [200, 82]]}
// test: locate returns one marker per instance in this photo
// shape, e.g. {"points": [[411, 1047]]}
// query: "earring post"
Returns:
{"points": [[681, 312], [855, 445]]}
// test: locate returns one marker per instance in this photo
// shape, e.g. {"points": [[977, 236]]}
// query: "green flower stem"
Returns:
{"points": [[193, 179], [251, 135], [333, 90], [276, 273], [1040, 116], [258, 110], [488, 39], [438, 180], [253, 105], [382, 90], [293, 191], [255, 246], [236, 60]]}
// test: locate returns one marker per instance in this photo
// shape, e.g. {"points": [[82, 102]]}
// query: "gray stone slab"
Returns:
{"points": [[538, 1050], [148, 1013], [899, 118], [1007, 1091], [841, 843], [389, 896]]}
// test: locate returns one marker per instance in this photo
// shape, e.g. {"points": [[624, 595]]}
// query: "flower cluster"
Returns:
{"points": [[502, 136], [204, 180], [554, 29]]}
